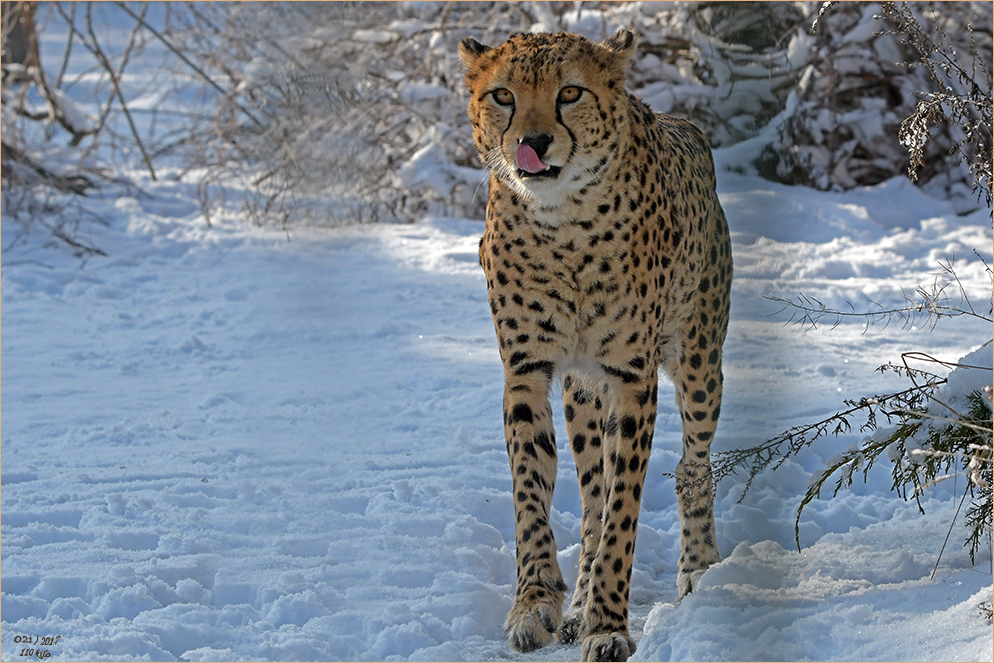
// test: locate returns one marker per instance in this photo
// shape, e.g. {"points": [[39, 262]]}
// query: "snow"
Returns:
{"points": [[231, 442], [221, 443], [430, 165], [972, 374], [374, 36], [839, 600]]}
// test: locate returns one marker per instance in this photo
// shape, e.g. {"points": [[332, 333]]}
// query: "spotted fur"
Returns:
{"points": [[608, 265]]}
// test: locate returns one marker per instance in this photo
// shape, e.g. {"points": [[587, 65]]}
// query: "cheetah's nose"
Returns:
{"points": [[538, 142]]}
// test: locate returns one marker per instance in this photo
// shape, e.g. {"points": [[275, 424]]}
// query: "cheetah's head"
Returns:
{"points": [[548, 110]]}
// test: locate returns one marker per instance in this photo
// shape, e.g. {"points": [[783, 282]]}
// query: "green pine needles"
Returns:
{"points": [[924, 450]]}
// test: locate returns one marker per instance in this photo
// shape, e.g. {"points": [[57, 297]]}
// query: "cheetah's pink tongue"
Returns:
{"points": [[528, 160]]}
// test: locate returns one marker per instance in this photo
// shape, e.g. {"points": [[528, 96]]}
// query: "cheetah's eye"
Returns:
{"points": [[570, 94], [503, 96]]}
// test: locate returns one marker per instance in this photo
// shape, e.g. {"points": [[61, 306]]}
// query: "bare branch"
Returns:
{"points": [[200, 72], [98, 52]]}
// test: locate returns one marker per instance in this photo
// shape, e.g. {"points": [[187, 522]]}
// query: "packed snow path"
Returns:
{"points": [[227, 444]]}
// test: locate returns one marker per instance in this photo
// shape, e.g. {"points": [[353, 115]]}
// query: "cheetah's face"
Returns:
{"points": [[547, 110]]}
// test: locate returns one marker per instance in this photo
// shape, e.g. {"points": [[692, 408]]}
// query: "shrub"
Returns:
{"points": [[893, 79]]}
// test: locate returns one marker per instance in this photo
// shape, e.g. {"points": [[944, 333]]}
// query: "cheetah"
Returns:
{"points": [[607, 257]]}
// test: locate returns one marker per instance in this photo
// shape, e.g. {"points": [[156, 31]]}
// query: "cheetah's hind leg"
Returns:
{"points": [[687, 582]]}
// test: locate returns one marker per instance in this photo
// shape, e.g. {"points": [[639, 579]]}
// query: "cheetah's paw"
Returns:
{"points": [[614, 646], [533, 625], [688, 582], [569, 632]]}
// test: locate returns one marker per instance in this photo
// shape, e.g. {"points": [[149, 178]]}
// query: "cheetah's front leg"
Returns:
{"points": [[626, 447], [583, 407], [531, 445]]}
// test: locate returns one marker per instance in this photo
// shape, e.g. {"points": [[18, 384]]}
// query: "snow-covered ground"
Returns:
{"points": [[237, 443], [221, 443]]}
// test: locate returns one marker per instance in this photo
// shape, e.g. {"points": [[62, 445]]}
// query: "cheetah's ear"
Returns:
{"points": [[623, 42], [470, 50]]}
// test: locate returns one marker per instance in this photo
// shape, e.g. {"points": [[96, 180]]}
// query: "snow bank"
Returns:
{"points": [[973, 373], [839, 600]]}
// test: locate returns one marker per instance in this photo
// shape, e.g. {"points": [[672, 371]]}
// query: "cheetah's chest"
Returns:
{"points": [[592, 287]]}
